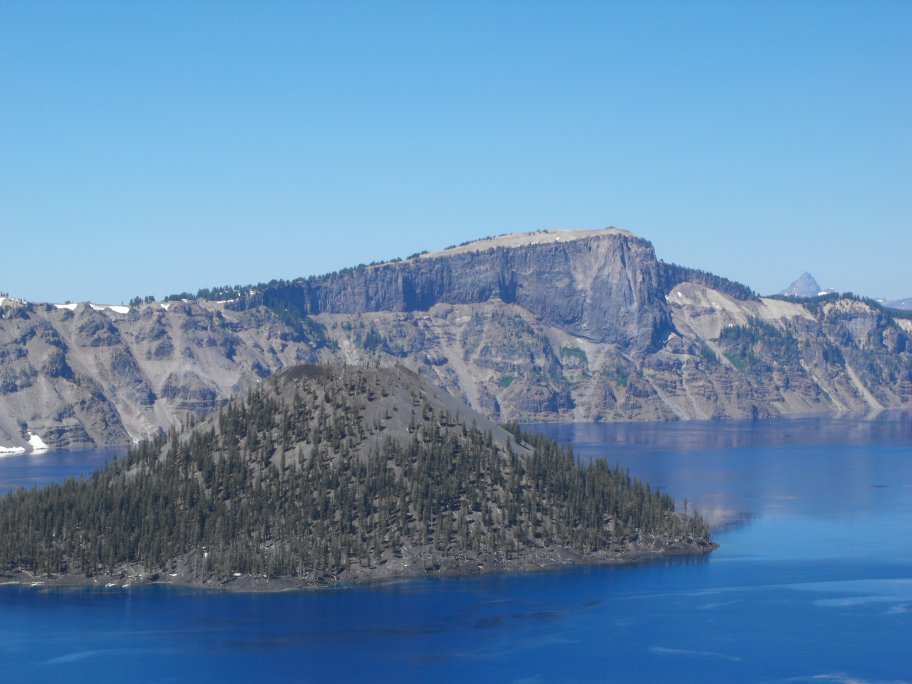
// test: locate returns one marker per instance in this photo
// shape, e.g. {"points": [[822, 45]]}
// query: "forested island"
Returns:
{"points": [[328, 474]]}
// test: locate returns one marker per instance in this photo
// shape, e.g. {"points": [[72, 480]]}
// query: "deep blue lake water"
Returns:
{"points": [[813, 582]]}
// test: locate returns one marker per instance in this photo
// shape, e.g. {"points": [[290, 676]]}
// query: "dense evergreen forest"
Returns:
{"points": [[322, 469], [672, 275]]}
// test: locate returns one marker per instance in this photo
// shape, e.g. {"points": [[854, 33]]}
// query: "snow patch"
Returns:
{"points": [[5, 451], [165, 305], [37, 443], [116, 308]]}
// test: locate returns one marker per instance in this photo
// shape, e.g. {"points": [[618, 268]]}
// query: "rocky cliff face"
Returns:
{"points": [[548, 326], [83, 376], [604, 287]]}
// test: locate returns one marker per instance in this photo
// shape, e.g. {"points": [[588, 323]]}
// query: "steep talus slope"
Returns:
{"points": [[726, 358], [81, 377], [543, 326], [773, 357]]}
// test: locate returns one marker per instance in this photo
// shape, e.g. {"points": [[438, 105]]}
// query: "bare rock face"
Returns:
{"points": [[582, 326], [86, 377], [605, 288]]}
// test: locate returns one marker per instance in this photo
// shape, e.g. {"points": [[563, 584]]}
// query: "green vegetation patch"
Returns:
{"points": [[574, 354], [754, 347], [708, 355], [372, 341]]}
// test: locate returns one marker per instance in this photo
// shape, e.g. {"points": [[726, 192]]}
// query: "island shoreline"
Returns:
{"points": [[130, 576]]}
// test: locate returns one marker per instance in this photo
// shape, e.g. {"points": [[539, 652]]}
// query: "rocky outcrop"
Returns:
{"points": [[536, 327], [84, 377], [605, 287]]}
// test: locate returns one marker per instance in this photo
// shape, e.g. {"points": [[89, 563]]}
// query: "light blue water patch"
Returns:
{"points": [[36, 470], [894, 594], [887, 536]]}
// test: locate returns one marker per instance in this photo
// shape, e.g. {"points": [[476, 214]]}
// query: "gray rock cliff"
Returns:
{"points": [[605, 288]]}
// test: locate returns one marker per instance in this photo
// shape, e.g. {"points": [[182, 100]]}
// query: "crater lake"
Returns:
{"points": [[813, 580]]}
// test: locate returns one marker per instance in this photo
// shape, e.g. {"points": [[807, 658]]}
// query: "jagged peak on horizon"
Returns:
{"points": [[804, 286]]}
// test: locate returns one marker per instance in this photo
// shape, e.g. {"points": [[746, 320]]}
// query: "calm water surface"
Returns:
{"points": [[813, 582]]}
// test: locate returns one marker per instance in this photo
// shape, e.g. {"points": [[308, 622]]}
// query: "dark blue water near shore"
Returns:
{"points": [[813, 581]]}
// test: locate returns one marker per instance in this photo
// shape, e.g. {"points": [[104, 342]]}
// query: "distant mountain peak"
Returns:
{"points": [[905, 304], [805, 286]]}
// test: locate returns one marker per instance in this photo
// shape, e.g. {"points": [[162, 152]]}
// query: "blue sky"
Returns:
{"points": [[152, 147]]}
